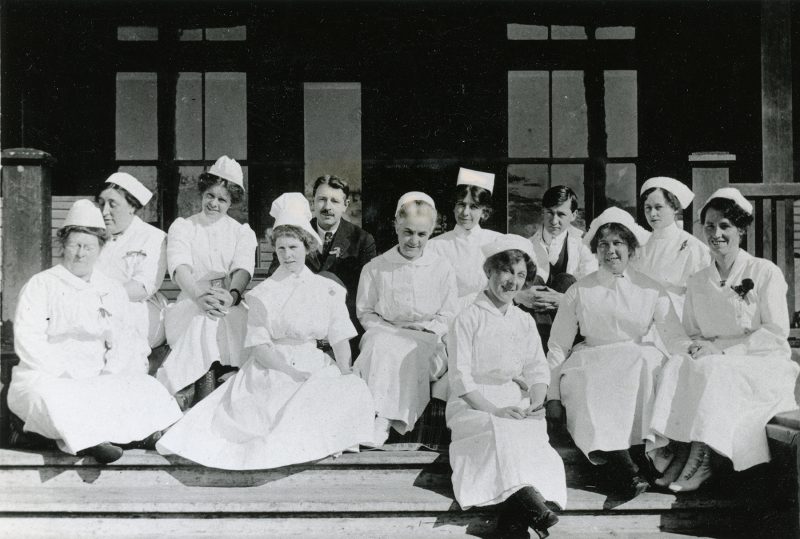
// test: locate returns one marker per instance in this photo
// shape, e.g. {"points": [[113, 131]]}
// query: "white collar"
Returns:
{"points": [[555, 240], [669, 231], [609, 279], [462, 232], [332, 231], [483, 301], [426, 259]]}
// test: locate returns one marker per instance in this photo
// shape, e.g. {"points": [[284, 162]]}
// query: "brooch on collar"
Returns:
{"points": [[743, 289], [684, 245]]}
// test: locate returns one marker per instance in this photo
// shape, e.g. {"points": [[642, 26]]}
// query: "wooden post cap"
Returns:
{"points": [[26, 155]]}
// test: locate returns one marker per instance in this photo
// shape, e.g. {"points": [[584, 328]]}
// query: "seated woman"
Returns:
{"points": [[136, 255], [498, 378], [742, 373], [288, 403], [80, 379], [406, 299], [671, 254], [607, 382], [462, 245], [212, 257]]}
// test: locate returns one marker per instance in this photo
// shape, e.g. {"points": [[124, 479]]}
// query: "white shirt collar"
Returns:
{"points": [[668, 231], [609, 279], [332, 231], [462, 232]]}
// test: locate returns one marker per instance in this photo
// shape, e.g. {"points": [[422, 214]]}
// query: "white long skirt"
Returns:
{"points": [[493, 457], [608, 392], [724, 401], [197, 341], [399, 365], [81, 413], [261, 418]]}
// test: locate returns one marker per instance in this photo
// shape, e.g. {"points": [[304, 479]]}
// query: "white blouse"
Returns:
{"points": [[396, 291], [462, 248], [137, 254], [212, 250], [488, 347], [671, 256]]}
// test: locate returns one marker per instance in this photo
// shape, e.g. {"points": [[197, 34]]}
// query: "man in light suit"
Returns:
{"points": [[561, 258], [346, 247]]}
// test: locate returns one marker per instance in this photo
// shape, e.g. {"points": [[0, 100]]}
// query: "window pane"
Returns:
{"points": [[621, 113], [136, 116], [616, 32], [137, 33], [568, 32], [526, 31], [189, 196], [526, 185], [233, 33], [149, 177], [189, 116], [332, 116], [226, 115], [570, 133], [621, 186], [572, 177], [190, 34], [528, 114]]}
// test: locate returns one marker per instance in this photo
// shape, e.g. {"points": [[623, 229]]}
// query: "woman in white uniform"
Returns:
{"points": [[80, 379], [462, 245], [289, 403], [607, 383], [136, 254], [406, 299], [671, 254], [498, 376], [212, 257], [741, 373]]}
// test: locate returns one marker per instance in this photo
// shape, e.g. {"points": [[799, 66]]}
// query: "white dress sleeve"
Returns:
{"points": [[690, 324], [340, 328], [129, 349], [459, 353], [535, 370], [367, 298], [179, 245], [562, 336], [150, 271], [449, 290], [669, 327], [244, 256], [257, 323], [30, 329]]}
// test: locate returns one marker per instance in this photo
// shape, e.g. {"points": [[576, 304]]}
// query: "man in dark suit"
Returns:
{"points": [[346, 247]]}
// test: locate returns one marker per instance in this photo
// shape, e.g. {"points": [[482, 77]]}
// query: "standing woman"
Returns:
{"points": [[212, 257], [80, 379], [498, 377], [136, 255], [289, 403], [741, 373], [462, 245], [607, 383], [406, 299], [671, 254]]}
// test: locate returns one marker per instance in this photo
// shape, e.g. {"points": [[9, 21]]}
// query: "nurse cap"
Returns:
{"points": [[131, 185], [475, 177], [681, 192], [731, 193], [84, 213], [619, 216], [413, 196], [228, 169], [507, 242], [293, 209]]}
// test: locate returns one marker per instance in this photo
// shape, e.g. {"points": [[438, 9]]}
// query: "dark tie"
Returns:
{"points": [[327, 245]]}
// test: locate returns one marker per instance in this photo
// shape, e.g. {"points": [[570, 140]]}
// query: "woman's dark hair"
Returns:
{"points": [[615, 228], [333, 182], [62, 235], [482, 197], [129, 198], [557, 195], [729, 210], [505, 260], [294, 232], [671, 199], [207, 180]]}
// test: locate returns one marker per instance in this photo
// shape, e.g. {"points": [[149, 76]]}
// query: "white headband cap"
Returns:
{"points": [[507, 242], [412, 196], [731, 193], [681, 192], [620, 216], [293, 209], [228, 169], [475, 177], [84, 213], [131, 185]]}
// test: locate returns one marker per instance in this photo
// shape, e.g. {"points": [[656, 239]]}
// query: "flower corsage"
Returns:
{"points": [[743, 289]]}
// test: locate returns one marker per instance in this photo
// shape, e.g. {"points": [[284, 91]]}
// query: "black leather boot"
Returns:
{"points": [[526, 508], [627, 475]]}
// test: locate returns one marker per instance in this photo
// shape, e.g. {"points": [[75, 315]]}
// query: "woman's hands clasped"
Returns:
{"points": [[214, 301]]}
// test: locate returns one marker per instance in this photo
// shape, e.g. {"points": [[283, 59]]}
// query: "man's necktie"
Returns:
{"points": [[327, 245]]}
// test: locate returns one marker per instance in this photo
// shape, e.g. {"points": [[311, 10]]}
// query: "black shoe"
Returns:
{"points": [[547, 520], [638, 485], [105, 453], [509, 523], [529, 504]]}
